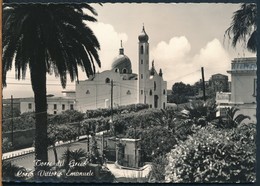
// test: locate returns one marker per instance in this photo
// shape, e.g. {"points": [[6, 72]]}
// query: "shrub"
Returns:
{"points": [[99, 124], [157, 173], [122, 122], [22, 122], [6, 145], [200, 110], [155, 142], [66, 117], [10, 170], [106, 112], [213, 155]]}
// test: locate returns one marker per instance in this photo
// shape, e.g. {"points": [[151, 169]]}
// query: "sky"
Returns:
{"points": [[183, 38]]}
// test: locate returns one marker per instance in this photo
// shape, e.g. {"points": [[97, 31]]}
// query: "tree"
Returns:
{"points": [[56, 133], [49, 38], [243, 27], [7, 113], [68, 116], [181, 92]]}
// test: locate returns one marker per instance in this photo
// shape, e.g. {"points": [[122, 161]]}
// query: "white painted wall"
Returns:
{"points": [[243, 87], [96, 93], [24, 105]]}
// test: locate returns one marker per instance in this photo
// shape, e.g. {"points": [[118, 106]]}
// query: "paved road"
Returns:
{"points": [[27, 160]]}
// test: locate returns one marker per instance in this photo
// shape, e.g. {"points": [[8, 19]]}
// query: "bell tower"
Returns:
{"points": [[143, 66]]}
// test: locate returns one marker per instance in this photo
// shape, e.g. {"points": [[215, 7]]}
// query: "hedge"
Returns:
{"points": [[106, 112]]}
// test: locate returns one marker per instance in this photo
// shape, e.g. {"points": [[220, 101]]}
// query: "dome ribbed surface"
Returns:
{"points": [[122, 62]]}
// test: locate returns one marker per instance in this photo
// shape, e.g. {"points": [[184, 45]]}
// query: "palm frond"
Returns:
{"points": [[243, 25]]}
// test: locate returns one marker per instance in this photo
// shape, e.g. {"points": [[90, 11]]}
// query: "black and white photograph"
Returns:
{"points": [[129, 92]]}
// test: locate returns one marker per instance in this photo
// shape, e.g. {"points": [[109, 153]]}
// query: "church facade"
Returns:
{"points": [[120, 86]]}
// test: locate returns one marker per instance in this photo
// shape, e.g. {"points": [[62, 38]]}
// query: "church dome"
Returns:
{"points": [[122, 63], [143, 37]]}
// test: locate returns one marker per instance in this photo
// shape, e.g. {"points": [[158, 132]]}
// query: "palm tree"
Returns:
{"points": [[77, 156], [49, 38], [243, 27], [234, 119]]}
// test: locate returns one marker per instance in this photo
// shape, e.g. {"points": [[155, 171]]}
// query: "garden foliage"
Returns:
{"points": [[105, 112], [215, 155]]}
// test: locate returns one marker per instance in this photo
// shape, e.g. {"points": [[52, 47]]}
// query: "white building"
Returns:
{"points": [[243, 87], [55, 105], [119, 86]]}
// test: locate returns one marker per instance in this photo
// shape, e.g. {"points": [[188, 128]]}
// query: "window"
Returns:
{"points": [[142, 92], [128, 92], [107, 80], [29, 106], [163, 105], [154, 85], [142, 76], [124, 71], [151, 105], [147, 50], [47, 106], [151, 92], [55, 106], [54, 112], [142, 49], [255, 88], [142, 61], [71, 107], [63, 106], [163, 91], [116, 70], [87, 92]]}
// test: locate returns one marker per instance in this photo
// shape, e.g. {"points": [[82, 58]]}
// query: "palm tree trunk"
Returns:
{"points": [[38, 78]]}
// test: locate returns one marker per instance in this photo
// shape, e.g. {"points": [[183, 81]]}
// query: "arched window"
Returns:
{"points": [[116, 70], [128, 92], [107, 80], [163, 91], [142, 49], [124, 71], [151, 93], [154, 85]]}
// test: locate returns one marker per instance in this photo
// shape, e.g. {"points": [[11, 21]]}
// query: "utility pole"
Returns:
{"points": [[144, 96], [12, 122], [112, 87], [203, 84]]}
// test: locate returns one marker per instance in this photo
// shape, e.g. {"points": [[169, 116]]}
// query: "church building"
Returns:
{"points": [[120, 86]]}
